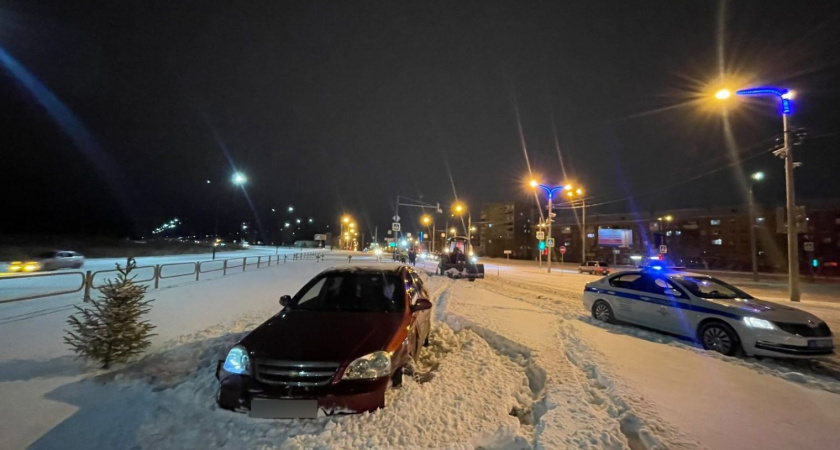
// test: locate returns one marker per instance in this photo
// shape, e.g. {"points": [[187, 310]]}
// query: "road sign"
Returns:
{"points": [[549, 242], [616, 251], [395, 226], [808, 246], [562, 249], [540, 235], [508, 252], [320, 237], [396, 218], [663, 249]]}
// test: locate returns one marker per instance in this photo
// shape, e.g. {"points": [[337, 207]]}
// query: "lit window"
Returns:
{"points": [[678, 232], [759, 220], [668, 233], [717, 242], [715, 222], [590, 235]]}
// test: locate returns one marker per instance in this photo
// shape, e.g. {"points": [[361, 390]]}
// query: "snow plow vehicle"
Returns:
{"points": [[458, 261]]}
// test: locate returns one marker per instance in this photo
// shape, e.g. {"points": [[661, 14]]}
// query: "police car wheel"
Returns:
{"points": [[602, 311], [719, 337]]}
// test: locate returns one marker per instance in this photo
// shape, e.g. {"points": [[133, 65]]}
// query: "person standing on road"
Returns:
{"points": [[412, 257]]}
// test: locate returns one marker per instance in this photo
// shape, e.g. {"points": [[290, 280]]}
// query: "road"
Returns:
{"points": [[68, 284], [590, 381]]}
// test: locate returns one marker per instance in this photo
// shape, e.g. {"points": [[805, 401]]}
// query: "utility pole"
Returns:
{"points": [[583, 234], [548, 260], [792, 237]]}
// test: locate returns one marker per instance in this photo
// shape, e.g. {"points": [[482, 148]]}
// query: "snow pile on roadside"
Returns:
{"points": [[465, 404], [463, 394]]}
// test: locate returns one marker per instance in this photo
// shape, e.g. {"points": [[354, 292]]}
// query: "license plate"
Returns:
{"points": [[822, 343], [267, 408]]}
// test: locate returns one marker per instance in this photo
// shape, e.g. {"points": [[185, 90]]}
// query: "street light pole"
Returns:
{"points": [[583, 233], [793, 237], [758, 176], [790, 196], [549, 191]]}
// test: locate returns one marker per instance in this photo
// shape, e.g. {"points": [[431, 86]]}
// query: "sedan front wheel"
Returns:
{"points": [[719, 337]]}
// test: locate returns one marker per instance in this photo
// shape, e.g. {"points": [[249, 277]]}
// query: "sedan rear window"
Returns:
{"points": [[353, 292]]}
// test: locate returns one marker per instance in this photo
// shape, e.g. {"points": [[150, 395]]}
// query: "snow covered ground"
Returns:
{"points": [[514, 362]]}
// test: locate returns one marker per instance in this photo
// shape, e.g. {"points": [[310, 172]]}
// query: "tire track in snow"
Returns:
{"points": [[605, 397]]}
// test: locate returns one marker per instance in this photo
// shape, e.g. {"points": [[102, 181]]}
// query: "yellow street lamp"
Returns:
{"points": [[723, 94]]}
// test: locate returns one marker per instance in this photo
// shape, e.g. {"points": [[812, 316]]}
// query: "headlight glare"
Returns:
{"points": [[374, 365], [761, 324], [237, 361]]}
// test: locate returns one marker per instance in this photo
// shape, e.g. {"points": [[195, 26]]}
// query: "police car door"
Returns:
{"points": [[664, 306], [623, 292]]}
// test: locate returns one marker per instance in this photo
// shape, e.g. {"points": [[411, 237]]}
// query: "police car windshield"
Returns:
{"points": [[708, 287]]}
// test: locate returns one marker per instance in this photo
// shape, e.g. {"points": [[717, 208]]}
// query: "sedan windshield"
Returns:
{"points": [[708, 287], [354, 292]]}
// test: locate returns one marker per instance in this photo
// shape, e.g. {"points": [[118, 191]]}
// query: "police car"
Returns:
{"points": [[719, 316]]}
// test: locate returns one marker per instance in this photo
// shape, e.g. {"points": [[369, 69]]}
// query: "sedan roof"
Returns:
{"points": [[390, 269]]}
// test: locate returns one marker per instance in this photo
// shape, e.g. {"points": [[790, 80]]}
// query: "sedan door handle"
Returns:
{"points": [[644, 298]]}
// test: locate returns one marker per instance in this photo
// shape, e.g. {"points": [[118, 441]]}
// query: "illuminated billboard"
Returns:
{"points": [[608, 237]]}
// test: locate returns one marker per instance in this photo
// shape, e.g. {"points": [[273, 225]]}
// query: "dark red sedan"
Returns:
{"points": [[335, 347]]}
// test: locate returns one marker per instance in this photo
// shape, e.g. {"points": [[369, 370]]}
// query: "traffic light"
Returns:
{"points": [[542, 245], [815, 263]]}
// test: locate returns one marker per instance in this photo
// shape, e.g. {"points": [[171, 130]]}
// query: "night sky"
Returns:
{"points": [[342, 106]]}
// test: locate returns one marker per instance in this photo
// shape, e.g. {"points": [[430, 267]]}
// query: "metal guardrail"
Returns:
{"points": [[82, 278], [87, 279]]}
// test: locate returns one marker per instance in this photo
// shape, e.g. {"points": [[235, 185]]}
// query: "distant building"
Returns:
{"points": [[715, 238], [507, 226]]}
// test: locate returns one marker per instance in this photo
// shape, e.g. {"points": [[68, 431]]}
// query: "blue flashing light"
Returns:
{"points": [[656, 267], [783, 94]]}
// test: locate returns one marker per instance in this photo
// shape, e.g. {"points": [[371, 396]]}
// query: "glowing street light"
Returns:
{"points": [[579, 193], [723, 94], [785, 97], [549, 192], [239, 178], [460, 209], [427, 220]]}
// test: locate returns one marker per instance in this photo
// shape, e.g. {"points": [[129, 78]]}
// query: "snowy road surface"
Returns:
{"points": [[104, 268], [514, 362]]}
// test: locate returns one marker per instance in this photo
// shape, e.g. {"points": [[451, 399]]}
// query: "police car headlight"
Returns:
{"points": [[761, 324]]}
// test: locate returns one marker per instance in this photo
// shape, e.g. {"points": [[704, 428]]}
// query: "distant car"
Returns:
{"points": [[594, 268], [719, 316], [52, 260], [335, 347]]}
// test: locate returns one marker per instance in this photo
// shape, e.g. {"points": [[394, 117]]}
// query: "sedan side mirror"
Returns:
{"points": [[672, 293], [421, 304], [285, 300]]}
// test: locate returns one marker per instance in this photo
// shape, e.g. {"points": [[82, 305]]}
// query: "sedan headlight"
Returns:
{"points": [[755, 322], [237, 361], [374, 365]]}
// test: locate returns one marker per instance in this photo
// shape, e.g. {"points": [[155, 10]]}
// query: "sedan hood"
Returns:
{"points": [[774, 312], [322, 336]]}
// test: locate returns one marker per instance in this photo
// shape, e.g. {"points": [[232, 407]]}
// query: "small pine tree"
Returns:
{"points": [[111, 330]]}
